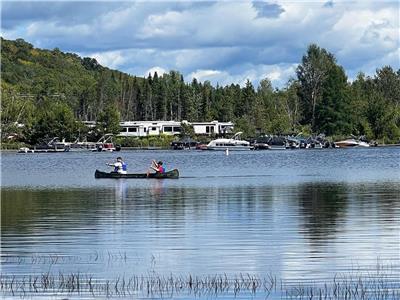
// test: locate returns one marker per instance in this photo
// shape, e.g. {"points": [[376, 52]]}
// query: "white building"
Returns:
{"points": [[147, 128], [214, 127]]}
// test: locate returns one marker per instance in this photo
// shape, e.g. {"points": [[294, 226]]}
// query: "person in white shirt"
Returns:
{"points": [[119, 166]]}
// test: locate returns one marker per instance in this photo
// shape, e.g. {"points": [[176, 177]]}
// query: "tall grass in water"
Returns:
{"points": [[379, 284]]}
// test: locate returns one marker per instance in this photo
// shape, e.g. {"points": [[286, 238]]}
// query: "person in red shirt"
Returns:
{"points": [[157, 166]]}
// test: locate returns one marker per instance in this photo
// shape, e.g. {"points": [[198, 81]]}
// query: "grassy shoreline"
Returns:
{"points": [[378, 283]]}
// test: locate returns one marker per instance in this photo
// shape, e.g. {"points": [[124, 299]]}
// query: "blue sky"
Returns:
{"points": [[224, 42]]}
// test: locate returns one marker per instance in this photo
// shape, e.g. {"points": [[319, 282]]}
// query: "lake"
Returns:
{"points": [[266, 225]]}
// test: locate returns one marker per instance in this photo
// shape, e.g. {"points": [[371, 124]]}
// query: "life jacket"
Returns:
{"points": [[161, 169], [124, 167]]}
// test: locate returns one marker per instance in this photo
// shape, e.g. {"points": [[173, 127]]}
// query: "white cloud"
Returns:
{"points": [[52, 29], [153, 70], [217, 41], [203, 75], [278, 74], [111, 59]]}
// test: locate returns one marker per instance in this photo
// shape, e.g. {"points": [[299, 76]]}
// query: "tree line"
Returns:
{"points": [[51, 92]]}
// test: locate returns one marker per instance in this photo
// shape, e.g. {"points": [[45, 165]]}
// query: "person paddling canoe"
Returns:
{"points": [[120, 166], [157, 166]]}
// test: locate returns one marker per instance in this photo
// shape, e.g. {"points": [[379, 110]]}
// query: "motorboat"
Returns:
{"points": [[82, 146], [26, 150], [186, 143], [201, 147], [292, 143], [262, 143], [363, 144], [50, 146], [349, 143], [315, 144], [233, 143], [278, 143], [105, 144]]}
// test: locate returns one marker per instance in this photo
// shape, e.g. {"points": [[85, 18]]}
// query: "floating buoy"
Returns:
{"points": [[226, 151]]}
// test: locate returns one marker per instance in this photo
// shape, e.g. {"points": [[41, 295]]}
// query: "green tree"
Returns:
{"points": [[382, 117], [108, 121], [159, 96], [206, 102], [16, 109], [292, 103], [332, 112], [388, 83], [264, 110], [224, 106], [374, 112], [53, 119], [244, 125], [187, 130], [312, 73], [358, 106], [248, 98]]}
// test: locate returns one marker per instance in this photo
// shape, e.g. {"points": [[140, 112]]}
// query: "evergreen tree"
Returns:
{"points": [[331, 116], [382, 117], [108, 121], [312, 73], [388, 83], [248, 98], [193, 102]]}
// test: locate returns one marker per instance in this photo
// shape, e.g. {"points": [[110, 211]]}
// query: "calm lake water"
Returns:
{"points": [[298, 218]]}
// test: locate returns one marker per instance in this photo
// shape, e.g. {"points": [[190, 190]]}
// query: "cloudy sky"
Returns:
{"points": [[224, 42]]}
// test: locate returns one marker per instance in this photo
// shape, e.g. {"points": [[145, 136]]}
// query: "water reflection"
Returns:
{"points": [[289, 230], [322, 206], [121, 189]]}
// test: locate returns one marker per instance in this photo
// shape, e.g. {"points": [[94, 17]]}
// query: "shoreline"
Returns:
{"points": [[160, 149]]}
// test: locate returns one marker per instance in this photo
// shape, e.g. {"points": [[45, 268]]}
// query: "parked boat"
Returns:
{"points": [[349, 143], [293, 143], [82, 146], [278, 143], [231, 144], [50, 146], [201, 147], [261, 143], [186, 143], [363, 144], [173, 174], [315, 144], [105, 144], [25, 150]]}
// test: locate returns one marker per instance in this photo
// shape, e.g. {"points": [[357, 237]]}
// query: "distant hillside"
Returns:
{"points": [[81, 82], [87, 87]]}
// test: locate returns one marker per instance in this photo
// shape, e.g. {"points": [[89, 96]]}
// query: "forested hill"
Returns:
{"points": [[49, 90], [82, 83]]}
